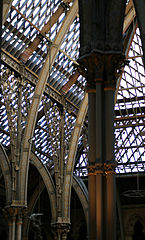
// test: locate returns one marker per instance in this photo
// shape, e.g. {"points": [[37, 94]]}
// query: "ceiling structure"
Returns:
{"points": [[40, 42]]}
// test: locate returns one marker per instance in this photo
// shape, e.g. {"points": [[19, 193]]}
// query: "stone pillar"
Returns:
{"points": [[102, 73], [10, 229], [109, 89], [92, 202], [60, 230], [91, 167], [19, 225], [13, 228], [64, 234], [14, 217], [110, 203], [26, 224], [12, 213], [99, 159], [99, 202]]}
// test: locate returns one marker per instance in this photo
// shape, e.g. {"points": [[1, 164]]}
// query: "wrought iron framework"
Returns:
{"points": [[24, 26]]}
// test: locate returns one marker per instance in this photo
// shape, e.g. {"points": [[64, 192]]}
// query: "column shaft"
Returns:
{"points": [[99, 162], [92, 206], [111, 207], [92, 156], [13, 228], [10, 230], [99, 206], [99, 123], [92, 126], [110, 177], [19, 229], [109, 125]]}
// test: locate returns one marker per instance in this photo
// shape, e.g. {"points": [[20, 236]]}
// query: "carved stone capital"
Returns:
{"points": [[109, 168], [91, 170], [93, 63], [113, 65], [99, 168], [13, 213], [102, 69], [60, 229]]}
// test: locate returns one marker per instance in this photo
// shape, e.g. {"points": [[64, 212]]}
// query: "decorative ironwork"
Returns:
{"points": [[17, 33]]}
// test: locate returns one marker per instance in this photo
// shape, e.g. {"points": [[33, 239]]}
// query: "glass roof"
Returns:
{"points": [[129, 110], [28, 35]]}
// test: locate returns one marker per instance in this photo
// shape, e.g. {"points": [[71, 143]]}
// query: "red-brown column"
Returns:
{"points": [[110, 165], [19, 225], [91, 167], [99, 161]]}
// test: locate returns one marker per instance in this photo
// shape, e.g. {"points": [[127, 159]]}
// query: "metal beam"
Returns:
{"points": [[39, 31], [130, 118], [15, 64], [71, 157], [6, 6], [40, 87], [129, 15], [128, 125], [72, 79], [128, 147], [46, 28]]}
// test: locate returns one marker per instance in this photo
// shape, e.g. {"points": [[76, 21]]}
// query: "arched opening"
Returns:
{"points": [[78, 229], [138, 231], [39, 209], [3, 213]]}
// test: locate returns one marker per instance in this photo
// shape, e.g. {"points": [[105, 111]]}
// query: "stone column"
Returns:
{"points": [[19, 225], [99, 201], [13, 227], [64, 234], [109, 89], [10, 229], [99, 160], [110, 203], [14, 216], [12, 222], [60, 230], [92, 202], [26, 224], [102, 73], [91, 166]]}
